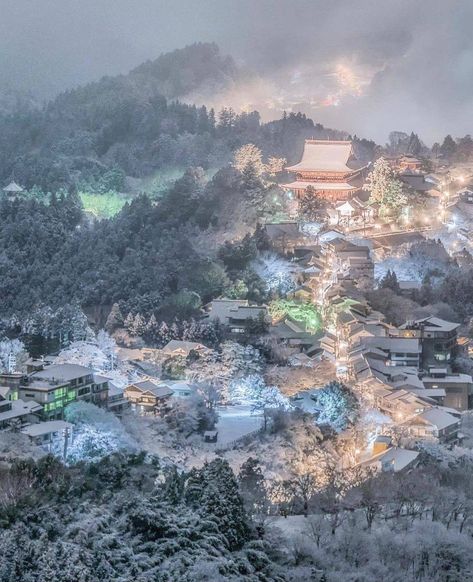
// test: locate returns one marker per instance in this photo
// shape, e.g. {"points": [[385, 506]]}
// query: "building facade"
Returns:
{"points": [[330, 168]]}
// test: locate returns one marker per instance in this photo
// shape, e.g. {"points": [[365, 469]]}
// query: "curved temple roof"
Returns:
{"points": [[327, 156]]}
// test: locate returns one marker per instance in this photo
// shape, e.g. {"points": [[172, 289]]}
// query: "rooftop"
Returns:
{"points": [[431, 324], [159, 391], [42, 428], [182, 345], [325, 155], [61, 372], [13, 188], [438, 418]]}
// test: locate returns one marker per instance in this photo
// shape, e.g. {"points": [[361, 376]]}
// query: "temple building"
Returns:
{"points": [[330, 167]]}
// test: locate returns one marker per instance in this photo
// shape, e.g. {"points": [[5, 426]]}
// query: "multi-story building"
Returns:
{"points": [[15, 412], [146, 397], [330, 168], [458, 387], [437, 337], [56, 386]]}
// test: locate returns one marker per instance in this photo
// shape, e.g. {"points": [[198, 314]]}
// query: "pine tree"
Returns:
{"points": [[253, 486], [114, 319], [139, 325], [152, 329], [311, 205], [389, 281], [175, 331], [448, 147], [129, 322], [164, 334]]}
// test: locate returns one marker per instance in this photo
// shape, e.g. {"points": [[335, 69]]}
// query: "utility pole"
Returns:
{"points": [[66, 442]]}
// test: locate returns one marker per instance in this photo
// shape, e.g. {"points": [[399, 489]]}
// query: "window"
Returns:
{"points": [[59, 392]]}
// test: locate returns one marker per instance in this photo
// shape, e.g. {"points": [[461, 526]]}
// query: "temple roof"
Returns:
{"points": [[13, 187], [327, 156]]}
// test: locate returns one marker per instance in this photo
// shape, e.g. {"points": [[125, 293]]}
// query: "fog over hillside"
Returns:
{"points": [[365, 66]]}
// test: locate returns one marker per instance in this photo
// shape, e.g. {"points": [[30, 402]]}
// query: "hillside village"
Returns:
{"points": [[320, 330]]}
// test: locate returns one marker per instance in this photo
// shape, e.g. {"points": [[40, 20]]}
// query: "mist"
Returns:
{"points": [[367, 67]]}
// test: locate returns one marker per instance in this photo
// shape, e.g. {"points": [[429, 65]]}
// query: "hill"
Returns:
{"points": [[134, 125]]}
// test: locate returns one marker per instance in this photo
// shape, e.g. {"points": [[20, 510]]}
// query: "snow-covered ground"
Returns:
{"points": [[235, 422], [304, 400], [404, 266]]}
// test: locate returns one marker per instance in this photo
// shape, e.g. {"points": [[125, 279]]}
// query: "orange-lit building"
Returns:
{"points": [[330, 168]]}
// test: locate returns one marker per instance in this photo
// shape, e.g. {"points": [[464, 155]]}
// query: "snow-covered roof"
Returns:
{"points": [[42, 428], [159, 391], [185, 346], [20, 408], [13, 188], [449, 379], [65, 372], [325, 155], [432, 324], [397, 458], [438, 418]]}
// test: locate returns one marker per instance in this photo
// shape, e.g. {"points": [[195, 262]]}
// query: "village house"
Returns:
{"points": [[146, 397], [437, 337], [183, 348], [117, 403], [57, 385], [458, 388], [47, 434], [465, 195], [349, 212], [399, 351], [284, 236], [387, 458], [16, 412], [235, 313], [13, 190], [435, 424], [408, 162]]}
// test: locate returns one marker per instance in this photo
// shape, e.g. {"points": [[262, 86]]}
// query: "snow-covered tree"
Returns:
{"points": [[248, 156], [12, 352], [139, 325], [385, 189], [337, 404], [114, 319], [275, 165], [311, 205], [96, 433], [278, 273]]}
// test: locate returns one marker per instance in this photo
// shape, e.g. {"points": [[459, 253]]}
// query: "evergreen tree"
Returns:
{"points": [[385, 190], [311, 205], [152, 329], [164, 334], [114, 319], [389, 281], [448, 147], [128, 324], [138, 327]]}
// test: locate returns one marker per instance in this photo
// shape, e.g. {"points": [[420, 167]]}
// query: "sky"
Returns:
{"points": [[366, 66]]}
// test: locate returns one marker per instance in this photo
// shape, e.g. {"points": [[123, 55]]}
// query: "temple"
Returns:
{"points": [[330, 167]]}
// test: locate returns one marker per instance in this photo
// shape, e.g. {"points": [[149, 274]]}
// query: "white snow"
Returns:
{"points": [[235, 422]]}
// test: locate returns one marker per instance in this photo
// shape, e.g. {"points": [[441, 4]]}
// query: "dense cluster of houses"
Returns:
{"points": [[405, 372], [33, 402]]}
